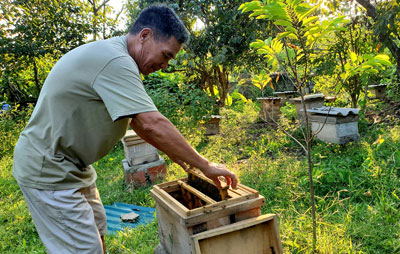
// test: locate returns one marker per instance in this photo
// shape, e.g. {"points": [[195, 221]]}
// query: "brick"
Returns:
{"points": [[146, 173], [138, 178], [157, 172]]}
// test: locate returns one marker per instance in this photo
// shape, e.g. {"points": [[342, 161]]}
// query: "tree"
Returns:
{"points": [[100, 17], [387, 25], [354, 57], [31, 31], [219, 46]]}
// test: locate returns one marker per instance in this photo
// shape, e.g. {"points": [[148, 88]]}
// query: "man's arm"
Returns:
{"points": [[157, 130]]}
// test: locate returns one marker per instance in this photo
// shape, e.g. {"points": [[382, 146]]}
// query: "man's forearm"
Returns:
{"points": [[162, 134]]}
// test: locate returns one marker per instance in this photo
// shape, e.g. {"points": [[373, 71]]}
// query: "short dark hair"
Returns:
{"points": [[163, 21]]}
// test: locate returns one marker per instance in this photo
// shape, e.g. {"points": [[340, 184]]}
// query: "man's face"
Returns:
{"points": [[155, 55]]}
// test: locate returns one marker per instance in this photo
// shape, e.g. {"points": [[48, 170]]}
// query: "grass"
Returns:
{"points": [[357, 186]]}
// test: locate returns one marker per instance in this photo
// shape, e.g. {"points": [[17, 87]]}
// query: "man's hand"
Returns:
{"points": [[213, 171]]}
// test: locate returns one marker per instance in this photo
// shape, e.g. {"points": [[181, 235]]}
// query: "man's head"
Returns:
{"points": [[155, 38], [164, 23]]}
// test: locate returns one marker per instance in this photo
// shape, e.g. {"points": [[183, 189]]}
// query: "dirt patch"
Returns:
{"points": [[390, 115]]}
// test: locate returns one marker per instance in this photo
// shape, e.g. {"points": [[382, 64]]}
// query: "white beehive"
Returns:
{"points": [[137, 150]]}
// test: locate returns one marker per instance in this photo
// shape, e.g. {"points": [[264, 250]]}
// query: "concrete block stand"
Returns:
{"points": [[335, 125], [143, 174]]}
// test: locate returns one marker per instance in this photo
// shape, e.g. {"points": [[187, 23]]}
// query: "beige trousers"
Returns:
{"points": [[68, 221]]}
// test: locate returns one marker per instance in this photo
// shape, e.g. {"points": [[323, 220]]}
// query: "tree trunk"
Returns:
{"points": [[36, 77], [384, 38], [222, 76], [353, 100]]}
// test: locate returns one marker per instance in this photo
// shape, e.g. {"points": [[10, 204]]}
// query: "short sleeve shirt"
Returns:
{"points": [[80, 115]]}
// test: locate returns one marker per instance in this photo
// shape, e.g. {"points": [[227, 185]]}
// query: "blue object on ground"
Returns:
{"points": [[114, 211], [5, 106]]}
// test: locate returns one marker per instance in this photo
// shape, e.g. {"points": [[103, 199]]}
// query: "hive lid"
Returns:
{"points": [[269, 98], [285, 92], [309, 97], [131, 133], [379, 85], [334, 111]]}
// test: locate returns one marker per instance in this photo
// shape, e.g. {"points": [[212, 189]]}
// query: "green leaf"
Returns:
{"points": [[303, 16], [258, 85], [309, 20], [277, 11], [262, 17], [286, 34], [291, 29], [257, 44], [283, 23], [228, 100], [294, 3], [276, 46], [383, 59], [250, 6], [262, 51], [299, 57], [353, 56]]}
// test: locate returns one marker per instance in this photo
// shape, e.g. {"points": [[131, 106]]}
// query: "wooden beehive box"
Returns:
{"points": [[270, 108], [186, 214], [137, 151]]}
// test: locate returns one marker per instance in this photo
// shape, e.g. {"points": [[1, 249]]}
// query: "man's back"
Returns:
{"points": [[74, 122]]}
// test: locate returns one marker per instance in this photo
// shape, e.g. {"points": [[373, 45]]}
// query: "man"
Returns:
{"points": [[82, 112]]}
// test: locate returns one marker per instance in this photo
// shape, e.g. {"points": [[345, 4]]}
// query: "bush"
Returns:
{"points": [[177, 100], [12, 123]]}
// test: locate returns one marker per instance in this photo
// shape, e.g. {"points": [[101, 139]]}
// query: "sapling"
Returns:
{"points": [[293, 50]]}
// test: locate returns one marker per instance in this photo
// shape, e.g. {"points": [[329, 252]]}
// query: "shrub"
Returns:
{"points": [[177, 100]]}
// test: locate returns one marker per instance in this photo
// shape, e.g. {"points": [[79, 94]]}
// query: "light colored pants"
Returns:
{"points": [[68, 221]]}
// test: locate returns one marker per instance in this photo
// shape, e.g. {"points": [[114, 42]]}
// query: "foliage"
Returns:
{"points": [[355, 59], [102, 21], [215, 48], [386, 25], [33, 32], [177, 100], [261, 81]]}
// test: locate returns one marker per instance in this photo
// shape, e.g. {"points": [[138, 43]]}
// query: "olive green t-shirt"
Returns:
{"points": [[81, 113]]}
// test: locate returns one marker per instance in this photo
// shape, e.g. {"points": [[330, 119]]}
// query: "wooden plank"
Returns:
{"points": [[248, 189], [199, 194], [161, 201], [233, 194], [173, 236], [172, 202], [197, 218], [239, 195], [256, 235]]}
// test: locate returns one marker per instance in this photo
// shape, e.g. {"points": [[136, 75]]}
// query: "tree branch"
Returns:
{"points": [[371, 10]]}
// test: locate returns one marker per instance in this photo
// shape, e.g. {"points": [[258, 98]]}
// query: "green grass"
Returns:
{"points": [[357, 187]]}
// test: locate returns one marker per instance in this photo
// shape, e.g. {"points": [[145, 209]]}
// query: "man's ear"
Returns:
{"points": [[145, 34]]}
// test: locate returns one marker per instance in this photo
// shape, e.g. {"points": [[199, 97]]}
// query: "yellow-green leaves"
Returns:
{"points": [[310, 20], [250, 6], [364, 65], [383, 59], [262, 80]]}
